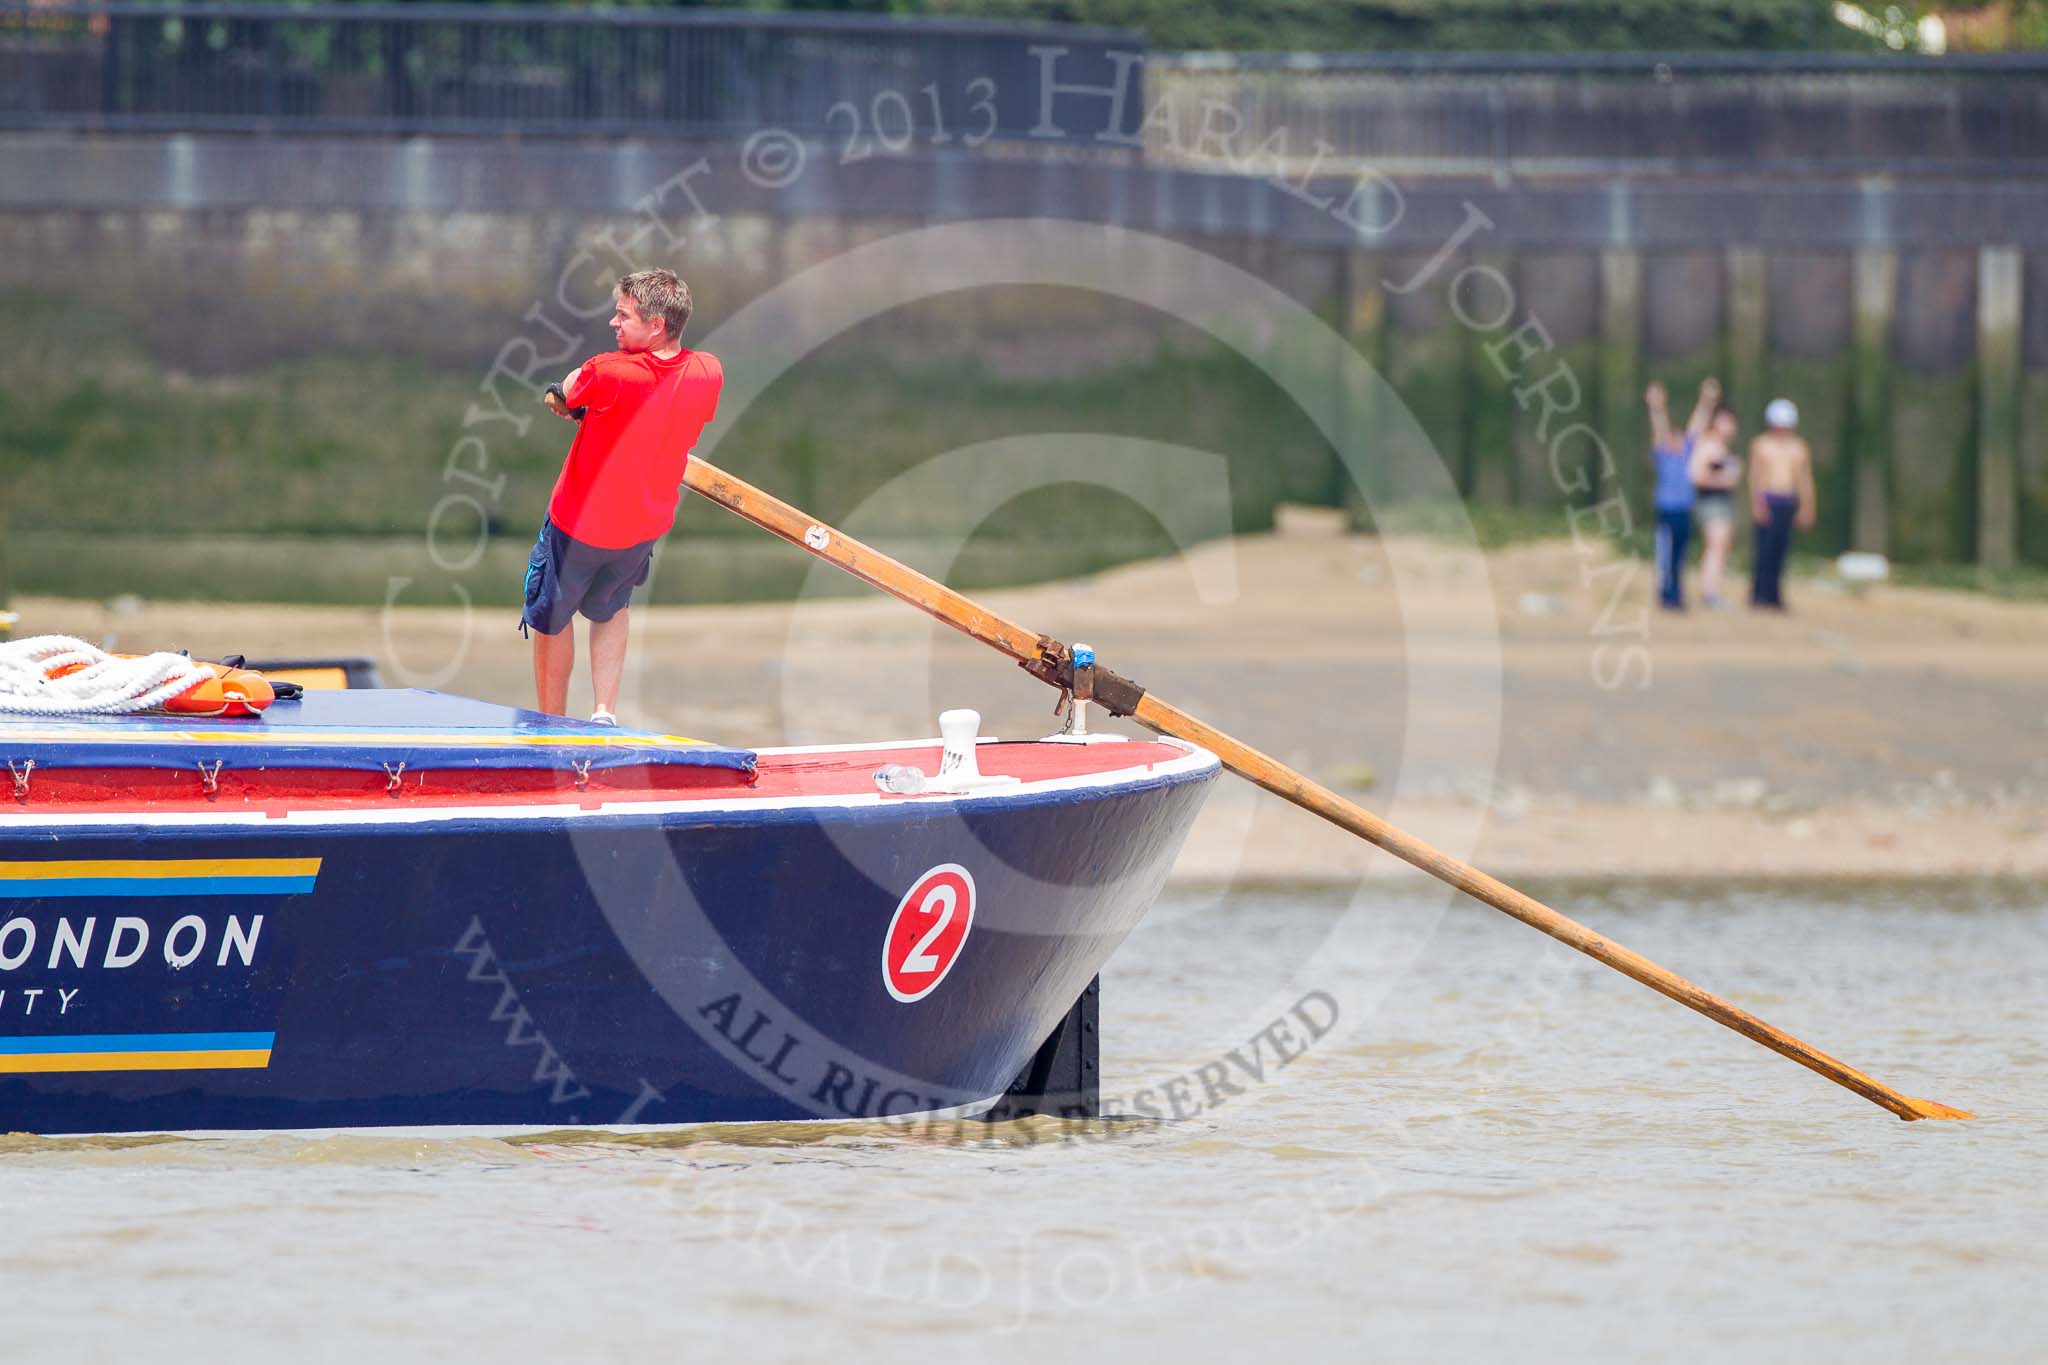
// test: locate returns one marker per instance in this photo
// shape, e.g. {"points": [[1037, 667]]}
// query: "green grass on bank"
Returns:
{"points": [[112, 455], [321, 477], [101, 438]]}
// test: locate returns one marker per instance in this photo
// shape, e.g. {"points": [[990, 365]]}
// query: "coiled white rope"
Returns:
{"points": [[106, 685]]}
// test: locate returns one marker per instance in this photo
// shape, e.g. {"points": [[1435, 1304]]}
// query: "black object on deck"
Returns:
{"points": [[353, 673]]}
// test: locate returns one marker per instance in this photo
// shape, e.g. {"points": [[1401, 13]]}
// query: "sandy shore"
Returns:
{"points": [[1894, 732]]}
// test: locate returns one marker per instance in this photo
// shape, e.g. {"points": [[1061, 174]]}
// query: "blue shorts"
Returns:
{"points": [[565, 576]]}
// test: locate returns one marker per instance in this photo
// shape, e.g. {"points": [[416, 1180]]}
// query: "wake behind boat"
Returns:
{"points": [[375, 909]]}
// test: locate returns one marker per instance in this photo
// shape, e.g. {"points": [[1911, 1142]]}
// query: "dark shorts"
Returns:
{"points": [[565, 576]]}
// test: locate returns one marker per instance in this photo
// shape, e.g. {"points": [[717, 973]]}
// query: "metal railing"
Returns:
{"points": [[514, 69], [861, 82], [1498, 113]]}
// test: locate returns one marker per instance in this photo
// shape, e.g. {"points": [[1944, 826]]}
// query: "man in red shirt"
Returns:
{"points": [[641, 409]]}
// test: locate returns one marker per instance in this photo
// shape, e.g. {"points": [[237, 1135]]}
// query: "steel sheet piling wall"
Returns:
{"points": [[1797, 241]]}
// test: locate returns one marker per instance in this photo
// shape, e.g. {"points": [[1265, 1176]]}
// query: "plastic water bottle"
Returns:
{"points": [[900, 778]]}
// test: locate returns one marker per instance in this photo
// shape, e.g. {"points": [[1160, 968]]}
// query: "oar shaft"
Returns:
{"points": [[1292, 786], [1045, 657]]}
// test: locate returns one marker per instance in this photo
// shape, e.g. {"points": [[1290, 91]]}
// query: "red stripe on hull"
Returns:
{"points": [[850, 773], [814, 773]]}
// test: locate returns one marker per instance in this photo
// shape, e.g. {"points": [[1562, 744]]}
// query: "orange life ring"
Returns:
{"points": [[228, 692]]}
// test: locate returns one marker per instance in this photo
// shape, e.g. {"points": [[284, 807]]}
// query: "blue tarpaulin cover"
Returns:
{"points": [[368, 729]]}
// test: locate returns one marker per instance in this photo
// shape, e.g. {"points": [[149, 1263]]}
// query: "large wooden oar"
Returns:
{"points": [[1053, 662]]}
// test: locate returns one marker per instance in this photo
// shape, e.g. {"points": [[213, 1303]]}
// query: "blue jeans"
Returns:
{"points": [[1674, 533], [1773, 545]]}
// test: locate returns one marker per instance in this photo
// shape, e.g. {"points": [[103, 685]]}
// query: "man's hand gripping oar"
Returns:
{"points": [[1048, 659]]}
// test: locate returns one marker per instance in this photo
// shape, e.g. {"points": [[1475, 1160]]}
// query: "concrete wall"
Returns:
{"points": [[1908, 319]]}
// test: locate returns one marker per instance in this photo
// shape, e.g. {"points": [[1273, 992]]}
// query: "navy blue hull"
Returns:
{"points": [[534, 970]]}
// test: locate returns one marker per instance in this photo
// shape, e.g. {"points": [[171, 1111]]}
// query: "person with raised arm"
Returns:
{"points": [[1672, 500]]}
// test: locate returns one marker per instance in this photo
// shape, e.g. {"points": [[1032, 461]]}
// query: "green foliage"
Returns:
{"points": [[1453, 25], [1428, 25]]}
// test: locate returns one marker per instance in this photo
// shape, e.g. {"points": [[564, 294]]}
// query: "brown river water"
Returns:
{"points": [[1394, 1129]]}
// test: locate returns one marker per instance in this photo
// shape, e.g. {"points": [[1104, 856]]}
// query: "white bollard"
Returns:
{"points": [[959, 730], [959, 768]]}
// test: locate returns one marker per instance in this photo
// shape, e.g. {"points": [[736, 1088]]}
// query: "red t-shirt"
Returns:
{"points": [[623, 476]]}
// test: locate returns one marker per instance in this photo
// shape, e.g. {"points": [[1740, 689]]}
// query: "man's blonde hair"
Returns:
{"points": [[658, 294]]}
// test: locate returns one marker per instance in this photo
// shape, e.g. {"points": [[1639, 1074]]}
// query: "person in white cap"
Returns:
{"points": [[1781, 498]]}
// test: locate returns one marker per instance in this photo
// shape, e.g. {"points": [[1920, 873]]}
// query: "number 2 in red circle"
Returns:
{"points": [[925, 936]]}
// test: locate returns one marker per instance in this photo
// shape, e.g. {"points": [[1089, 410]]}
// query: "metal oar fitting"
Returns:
{"points": [[1055, 666]]}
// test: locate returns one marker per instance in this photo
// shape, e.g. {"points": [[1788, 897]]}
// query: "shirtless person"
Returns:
{"points": [[1781, 496]]}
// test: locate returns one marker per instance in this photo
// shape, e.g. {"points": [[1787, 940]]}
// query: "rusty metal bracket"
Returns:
{"points": [[209, 779], [1054, 667], [20, 772], [395, 772]]}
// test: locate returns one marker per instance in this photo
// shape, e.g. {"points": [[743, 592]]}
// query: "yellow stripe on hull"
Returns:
{"points": [[239, 1060], [70, 869]]}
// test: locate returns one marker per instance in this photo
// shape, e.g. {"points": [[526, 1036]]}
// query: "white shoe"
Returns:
{"points": [[601, 716]]}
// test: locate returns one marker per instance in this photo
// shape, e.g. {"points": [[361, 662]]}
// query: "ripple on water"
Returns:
{"points": [[1603, 1162], [249, 1153], [1035, 1131]]}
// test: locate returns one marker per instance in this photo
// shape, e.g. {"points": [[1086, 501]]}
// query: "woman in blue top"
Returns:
{"points": [[1671, 457]]}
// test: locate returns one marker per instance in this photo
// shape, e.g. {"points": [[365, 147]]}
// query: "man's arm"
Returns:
{"points": [[587, 386], [1658, 402], [1703, 406]]}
